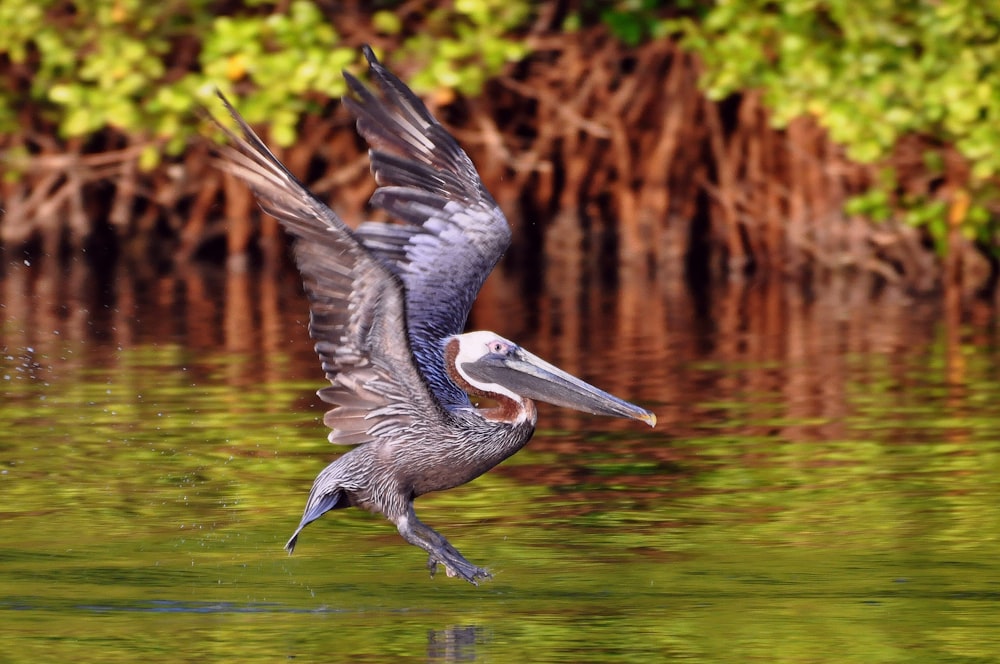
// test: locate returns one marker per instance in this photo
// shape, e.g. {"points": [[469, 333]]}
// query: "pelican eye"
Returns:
{"points": [[498, 347]]}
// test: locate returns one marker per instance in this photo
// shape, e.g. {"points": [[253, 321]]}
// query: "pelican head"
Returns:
{"points": [[496, 367]]}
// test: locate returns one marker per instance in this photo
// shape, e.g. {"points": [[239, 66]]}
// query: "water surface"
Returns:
{"points": [[822, 487]]}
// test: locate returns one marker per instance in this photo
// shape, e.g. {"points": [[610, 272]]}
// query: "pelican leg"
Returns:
{"points": [[417, 533]]}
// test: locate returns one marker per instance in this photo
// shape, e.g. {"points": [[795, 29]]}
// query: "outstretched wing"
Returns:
{"points": [[357, 308], [454, 233]]}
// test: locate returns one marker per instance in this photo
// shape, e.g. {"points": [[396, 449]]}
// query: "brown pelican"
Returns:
{"points": [[388, 305]]}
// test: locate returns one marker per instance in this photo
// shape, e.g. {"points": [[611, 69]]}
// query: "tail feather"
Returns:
{"points": [[315, 510]]}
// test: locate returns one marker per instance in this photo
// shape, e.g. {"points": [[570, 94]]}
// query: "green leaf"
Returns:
{"points": [[386, 22], [149, 158]]}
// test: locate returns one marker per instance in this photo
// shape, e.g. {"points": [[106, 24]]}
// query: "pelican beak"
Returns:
{"points": [[530, 376]]}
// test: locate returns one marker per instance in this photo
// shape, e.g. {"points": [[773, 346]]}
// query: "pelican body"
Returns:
{"points": [[388, 306]]}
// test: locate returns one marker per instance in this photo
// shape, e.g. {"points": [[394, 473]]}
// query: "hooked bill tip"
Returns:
{"points": [[649, 418]]}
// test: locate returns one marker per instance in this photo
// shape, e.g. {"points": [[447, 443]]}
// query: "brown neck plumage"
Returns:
{"points": [[506, 409]]}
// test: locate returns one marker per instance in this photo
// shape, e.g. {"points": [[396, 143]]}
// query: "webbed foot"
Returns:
{"points": [[458, 566], [441, 551]]}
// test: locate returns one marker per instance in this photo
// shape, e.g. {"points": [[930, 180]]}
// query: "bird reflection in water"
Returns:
{"points": [[455, 644]]}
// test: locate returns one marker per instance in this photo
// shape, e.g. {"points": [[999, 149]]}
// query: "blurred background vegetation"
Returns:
{"points": [[797, 136]]}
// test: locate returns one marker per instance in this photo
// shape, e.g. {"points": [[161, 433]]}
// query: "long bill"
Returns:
{"points": [[530, 376]]}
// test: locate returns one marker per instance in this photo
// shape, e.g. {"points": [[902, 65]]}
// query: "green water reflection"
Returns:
{"points": [[147, 490]]}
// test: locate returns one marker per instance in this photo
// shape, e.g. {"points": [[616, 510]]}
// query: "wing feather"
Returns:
{"points": [[357, 303], [454, 233]]}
